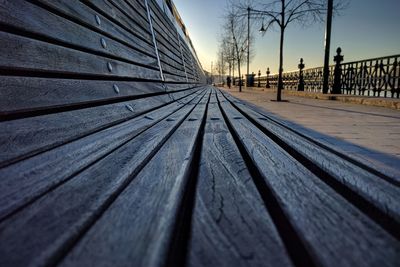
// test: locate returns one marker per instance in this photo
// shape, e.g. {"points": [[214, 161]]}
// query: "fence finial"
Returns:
{"points": [[337, 84], [301, 78]]}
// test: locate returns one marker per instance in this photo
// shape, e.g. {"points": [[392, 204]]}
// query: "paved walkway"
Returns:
{"points": [[365, 132]]}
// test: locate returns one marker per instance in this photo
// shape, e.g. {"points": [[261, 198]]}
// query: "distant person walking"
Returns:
{"points": [[228, 81]]}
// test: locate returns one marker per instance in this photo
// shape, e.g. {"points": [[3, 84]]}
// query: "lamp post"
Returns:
{"points": [[328, 30], [248, 41], [262, 30]]}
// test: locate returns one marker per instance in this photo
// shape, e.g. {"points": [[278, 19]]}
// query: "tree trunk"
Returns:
{"points": [[280, 80], [238, 64], [240, 77]]}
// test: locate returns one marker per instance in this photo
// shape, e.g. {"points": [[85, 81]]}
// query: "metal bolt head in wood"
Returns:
{"points": [[103, 42], [129, 107], [98, 21], [116, 88], [109, 66]]}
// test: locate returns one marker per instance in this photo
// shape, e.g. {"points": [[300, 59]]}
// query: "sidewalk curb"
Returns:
{"points": [[392, 103]]}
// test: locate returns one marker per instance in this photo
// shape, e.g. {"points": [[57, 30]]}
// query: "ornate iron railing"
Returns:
{"points": [[379, 77]]}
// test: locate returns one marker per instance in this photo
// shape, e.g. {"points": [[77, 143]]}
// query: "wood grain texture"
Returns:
{"points": [[42, 232], [140, 223], [333, 232], [82, 14], [45, 57], [25, 94], [24, 16], [48, 169], [231, 226], [25, 137], [375, 190], [163, 22], [135, 27]]}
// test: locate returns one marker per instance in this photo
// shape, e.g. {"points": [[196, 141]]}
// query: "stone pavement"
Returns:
{"points": [[367, 133]]}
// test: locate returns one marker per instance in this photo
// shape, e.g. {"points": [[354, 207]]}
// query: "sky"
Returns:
{"points": [[366, 29]]}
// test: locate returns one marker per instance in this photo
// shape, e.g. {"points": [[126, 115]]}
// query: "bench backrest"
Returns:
{"points": [[66, 54]]}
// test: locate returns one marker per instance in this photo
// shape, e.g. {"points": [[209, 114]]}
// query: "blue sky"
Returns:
{"points": [[366, 29]]}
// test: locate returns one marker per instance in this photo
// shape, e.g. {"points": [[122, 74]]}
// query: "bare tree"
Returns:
{"points": [[221, 63], [225, 55], [237, 37], [284, 12]]}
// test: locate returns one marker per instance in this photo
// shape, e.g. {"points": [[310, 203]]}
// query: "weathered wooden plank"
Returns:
{"points": [[26, 17], [167, 68], [137, 5], [164, 44], [138, 16], [163, 26], [108, 10], [174, 78], [47, 170], [172, 63], [25, 137], [331, 231], [45, 57], [167, 39], [149, 207], [168, 57], [230, 224], [162, 21], [166, 35], [377, 192], [133, 8], [82, 14], [24, 95], [44, 231]]}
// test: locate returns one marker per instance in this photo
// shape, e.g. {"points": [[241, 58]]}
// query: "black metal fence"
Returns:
{"points": [[379, 77]]}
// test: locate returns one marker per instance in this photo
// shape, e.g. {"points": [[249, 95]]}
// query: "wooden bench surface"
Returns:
{"points": [[108, 161]]}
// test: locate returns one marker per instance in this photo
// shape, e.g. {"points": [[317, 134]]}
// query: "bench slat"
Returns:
{"points": [[107, 9], [25, 137], [162, 22], [228, 205], [384, 196], [334, 232], [149, 207], [48, 58], [21, 96], [39, 22], [80, 13], [48, 169], [69, 210]]}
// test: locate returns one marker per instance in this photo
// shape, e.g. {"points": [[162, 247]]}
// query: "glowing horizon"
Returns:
{"points": [[359, 36]]}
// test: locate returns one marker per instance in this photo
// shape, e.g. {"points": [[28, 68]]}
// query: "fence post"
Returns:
{"points": [[301, 78], [267, 83], [259, 74], [337, 73]]}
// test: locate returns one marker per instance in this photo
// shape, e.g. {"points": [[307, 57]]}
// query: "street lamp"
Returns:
{"points": [[262, 30], [328, 30]]}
